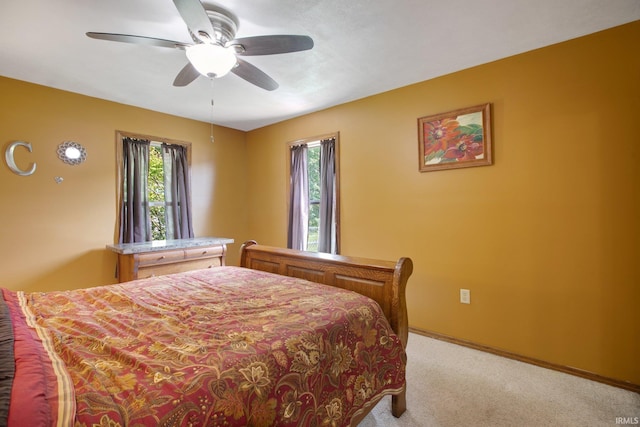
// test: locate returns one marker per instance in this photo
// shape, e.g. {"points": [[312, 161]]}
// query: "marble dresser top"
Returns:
{"points": [[165, 245]]}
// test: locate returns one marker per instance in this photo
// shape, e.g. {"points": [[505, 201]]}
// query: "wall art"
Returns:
{"points": [[457, 139]]}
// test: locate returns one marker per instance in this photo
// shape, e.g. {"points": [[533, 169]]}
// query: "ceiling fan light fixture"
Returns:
{"points": [[211, 60]]}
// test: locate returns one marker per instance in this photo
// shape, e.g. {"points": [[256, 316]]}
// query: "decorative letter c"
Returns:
{"points": [[8, 155]]}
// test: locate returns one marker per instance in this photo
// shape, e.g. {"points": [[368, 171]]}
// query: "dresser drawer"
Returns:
{"points": [[154, 258], [203, 252], [178, 267]]}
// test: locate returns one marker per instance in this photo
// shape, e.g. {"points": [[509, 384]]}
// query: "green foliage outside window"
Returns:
{"points": [[313, 171], [156, 193]]}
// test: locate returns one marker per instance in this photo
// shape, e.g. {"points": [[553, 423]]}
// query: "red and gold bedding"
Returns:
{"points": [[226, 346]]}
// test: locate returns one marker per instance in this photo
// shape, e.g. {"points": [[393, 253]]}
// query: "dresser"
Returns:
{"points": [[160, 257]]}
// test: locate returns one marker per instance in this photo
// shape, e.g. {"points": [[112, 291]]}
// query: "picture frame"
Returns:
{"points": [[455, 139]]}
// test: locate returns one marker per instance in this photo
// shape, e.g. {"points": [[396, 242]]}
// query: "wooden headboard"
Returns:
{"points": [[382, 281]]}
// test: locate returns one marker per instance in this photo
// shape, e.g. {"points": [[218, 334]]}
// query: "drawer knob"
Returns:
{"points": [[162, 257]]}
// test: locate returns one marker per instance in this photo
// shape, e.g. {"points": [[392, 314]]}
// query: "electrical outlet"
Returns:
{"points": [[465, 296]]}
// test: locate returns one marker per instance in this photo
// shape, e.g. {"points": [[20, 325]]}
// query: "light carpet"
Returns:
{"points": [[452, 385]]}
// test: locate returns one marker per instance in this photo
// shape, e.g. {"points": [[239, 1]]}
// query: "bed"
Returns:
{"points": [[265, 343]]}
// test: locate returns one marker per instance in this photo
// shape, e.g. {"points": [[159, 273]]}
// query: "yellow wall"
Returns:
{"points": [[54, 235], [547, 239]]}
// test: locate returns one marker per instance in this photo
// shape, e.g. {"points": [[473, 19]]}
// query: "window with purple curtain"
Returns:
{"points": [[314, 219], [172, 217]]}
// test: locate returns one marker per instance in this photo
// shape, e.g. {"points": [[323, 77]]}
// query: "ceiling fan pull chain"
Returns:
{"points": [[212, 138]]}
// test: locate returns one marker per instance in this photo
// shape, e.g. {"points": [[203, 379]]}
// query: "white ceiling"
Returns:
{"points": [[362, 47]]}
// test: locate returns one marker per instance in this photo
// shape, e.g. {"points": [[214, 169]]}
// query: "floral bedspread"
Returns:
{"points": [[219, 347]]}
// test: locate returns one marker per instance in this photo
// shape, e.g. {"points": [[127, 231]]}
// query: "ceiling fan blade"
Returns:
{"points": [[254, 75], [196, 18], [270, 45], [126, 38], [186, 75]]}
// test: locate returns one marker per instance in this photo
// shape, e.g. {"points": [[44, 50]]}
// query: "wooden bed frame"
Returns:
{"points": [[383, 281]]}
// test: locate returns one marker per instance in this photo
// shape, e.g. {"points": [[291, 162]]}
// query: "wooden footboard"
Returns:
{"points": [[383, 281]]}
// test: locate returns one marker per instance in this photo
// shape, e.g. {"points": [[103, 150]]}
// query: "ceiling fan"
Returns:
{"points": [[215, 50]]}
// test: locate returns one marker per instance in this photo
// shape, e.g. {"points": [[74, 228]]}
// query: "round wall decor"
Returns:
{"points": [[72, 153]]}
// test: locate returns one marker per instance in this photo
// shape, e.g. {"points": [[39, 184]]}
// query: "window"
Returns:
{"points": [[153, 189], [313, 195]]}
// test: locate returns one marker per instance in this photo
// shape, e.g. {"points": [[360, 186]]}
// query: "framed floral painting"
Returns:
{"points": [[457, 139]]}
